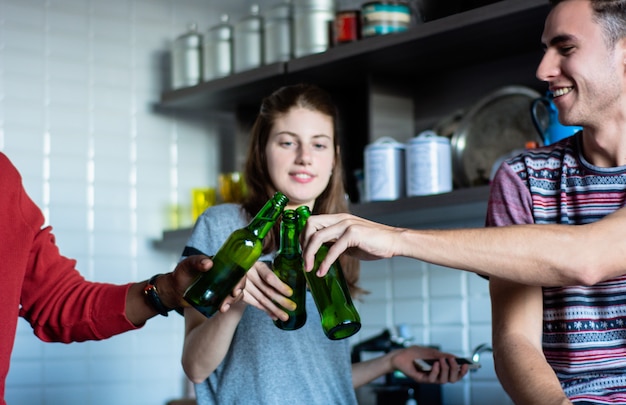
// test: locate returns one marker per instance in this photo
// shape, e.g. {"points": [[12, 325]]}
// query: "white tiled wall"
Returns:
{"points": [[442, 307]]}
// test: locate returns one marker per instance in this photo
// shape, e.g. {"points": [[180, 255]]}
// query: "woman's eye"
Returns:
{"points": [[320, 146], [566, 50]]}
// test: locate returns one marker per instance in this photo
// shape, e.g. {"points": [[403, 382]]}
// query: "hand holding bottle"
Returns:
{"points": [[363, 239], [172, 285], [265, 291], [339, 317], [234, 258]]}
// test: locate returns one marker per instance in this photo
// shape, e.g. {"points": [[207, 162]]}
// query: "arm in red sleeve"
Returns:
{"points": [[57, 301], [61, 305]]}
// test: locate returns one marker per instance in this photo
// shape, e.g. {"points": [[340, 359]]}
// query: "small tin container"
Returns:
{"points": [[218, 50], [187, 59], [311, 19], [248, 41], [384, 170], [277, 33], [385, 17], [428, 165], [347, 26]]}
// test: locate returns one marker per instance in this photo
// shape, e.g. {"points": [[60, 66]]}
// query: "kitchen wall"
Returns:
{"points": [[77, 82]]}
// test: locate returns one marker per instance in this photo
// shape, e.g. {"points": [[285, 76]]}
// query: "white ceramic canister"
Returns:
{"points": [[312, 20], [428, 165], [218, 50], [384, 170], [186, 57], [278, 33]]}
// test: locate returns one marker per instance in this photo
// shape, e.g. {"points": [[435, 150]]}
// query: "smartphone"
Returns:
{"points": [[427, 364]]}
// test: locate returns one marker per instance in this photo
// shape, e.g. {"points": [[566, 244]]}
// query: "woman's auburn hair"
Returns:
{"points": [[256, 174]]}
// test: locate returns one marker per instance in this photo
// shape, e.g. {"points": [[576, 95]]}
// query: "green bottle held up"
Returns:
{"points": [[340, 318], [233, 259], [289, 267]]}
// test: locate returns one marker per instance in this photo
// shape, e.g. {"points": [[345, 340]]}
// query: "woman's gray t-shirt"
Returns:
{"points": [[264, 364]]}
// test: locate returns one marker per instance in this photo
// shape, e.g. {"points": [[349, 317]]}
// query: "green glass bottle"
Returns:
{"points": [[340, 319], [233, 259], [289, 267]]}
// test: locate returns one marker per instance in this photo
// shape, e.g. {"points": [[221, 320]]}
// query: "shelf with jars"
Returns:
{"points": [[498, 30], [441, 65]]}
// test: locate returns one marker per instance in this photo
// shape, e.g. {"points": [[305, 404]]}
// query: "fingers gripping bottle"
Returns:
{"points": [[289, 267], [340, 318], [233, 259]]}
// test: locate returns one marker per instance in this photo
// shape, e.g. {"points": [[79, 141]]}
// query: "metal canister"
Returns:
{"points": [[277, 33], [248, 41], [385, 17], [311, 21], [186, 59], [218, 50], [428, 165], [384, 170]]}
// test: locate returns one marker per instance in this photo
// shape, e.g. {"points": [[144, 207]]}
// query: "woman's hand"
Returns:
{"points": [[267, 292], [445, 370]]}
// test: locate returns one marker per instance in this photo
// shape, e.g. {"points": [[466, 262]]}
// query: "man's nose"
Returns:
{"points": [[548, 67]]}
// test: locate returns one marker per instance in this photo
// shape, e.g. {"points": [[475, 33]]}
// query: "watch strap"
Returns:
{"points": [[152, 296]]}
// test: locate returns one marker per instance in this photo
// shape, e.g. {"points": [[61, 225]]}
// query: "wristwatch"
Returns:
{"points": [[152, 296]]}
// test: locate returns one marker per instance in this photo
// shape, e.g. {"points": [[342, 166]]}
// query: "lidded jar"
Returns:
{"points": [[186, 58], [312, 20], [384, 170], [218, 50], [428, 165], [248, 41], [277, 33]]}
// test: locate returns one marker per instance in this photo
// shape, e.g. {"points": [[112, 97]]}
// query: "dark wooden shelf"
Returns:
{"points": [[428, 211], [173, 240], [491, 32], [504, 28]]}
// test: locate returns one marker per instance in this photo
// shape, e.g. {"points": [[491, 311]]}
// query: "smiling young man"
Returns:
{"points": [[552, 344], [560, 344]]}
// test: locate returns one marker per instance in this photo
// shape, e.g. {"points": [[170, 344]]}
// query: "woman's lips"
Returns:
{"points": [[302, 177]]}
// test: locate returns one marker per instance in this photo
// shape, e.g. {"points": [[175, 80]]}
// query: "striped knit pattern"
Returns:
{"points": [[584, 335]]}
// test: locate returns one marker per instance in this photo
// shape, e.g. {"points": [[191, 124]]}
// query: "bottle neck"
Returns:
{"points": [[265, 219], [289, 243], [303, 214]]}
